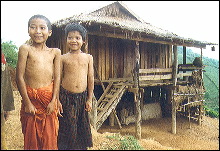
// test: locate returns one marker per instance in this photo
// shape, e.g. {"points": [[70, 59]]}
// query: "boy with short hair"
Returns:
{"points": [[38, 81], [76, 92]]}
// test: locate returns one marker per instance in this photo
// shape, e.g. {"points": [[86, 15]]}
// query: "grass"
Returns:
{"points": [[119, 142]]}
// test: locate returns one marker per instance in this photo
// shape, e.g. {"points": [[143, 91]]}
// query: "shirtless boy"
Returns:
{"points": [[76, 91], [38, 81]]}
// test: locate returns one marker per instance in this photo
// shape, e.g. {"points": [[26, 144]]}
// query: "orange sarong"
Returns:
{"points": [[40, 130]]}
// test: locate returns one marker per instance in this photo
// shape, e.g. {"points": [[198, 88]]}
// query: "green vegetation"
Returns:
{"points": [[127, 142], [211, 113], [11, 53], [210, 78]]}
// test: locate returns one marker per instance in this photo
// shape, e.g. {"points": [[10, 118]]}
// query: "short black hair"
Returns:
{"points": [[76, 27], [41, 17]]}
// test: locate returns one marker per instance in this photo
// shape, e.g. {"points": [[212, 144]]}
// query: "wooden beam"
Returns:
{"points": [[175, 66], [155, 77], [144, 39]]}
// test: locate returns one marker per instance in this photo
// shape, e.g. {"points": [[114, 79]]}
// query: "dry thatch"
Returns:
{"points": [[117, 16]]}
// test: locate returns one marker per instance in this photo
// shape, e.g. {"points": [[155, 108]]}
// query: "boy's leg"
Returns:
{"points": [[50, 132]]}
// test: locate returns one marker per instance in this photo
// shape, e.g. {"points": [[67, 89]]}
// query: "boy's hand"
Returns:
{"points": [[88, 106], [51, 107], [30, 108], [60, 109]]}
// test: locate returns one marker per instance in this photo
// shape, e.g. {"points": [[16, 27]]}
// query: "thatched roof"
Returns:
{"points": [[117, 16]]}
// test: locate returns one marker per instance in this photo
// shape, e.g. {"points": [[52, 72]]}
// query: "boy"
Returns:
{"points": [[38, 80], [76, 91]]}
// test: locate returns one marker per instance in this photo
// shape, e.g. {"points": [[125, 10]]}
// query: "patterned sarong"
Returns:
{"points": [[40, 130], [74, 129]]}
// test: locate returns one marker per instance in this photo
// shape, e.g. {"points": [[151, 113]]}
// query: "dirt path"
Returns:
{"points": [[156, 134]]}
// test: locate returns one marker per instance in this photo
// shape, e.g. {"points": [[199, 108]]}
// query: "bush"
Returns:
{"points": [[10, 52]]}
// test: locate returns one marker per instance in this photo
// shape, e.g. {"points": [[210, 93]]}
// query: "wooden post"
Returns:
{"points": [[201, 54], [200, 114], [94, 109], [175, 66], [111, 119], [137, 95], [202, 63], [184, 60], [184, 55], [116, 117]]}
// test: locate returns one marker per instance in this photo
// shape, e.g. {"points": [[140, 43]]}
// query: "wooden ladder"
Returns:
{"points": [[108, 101]]}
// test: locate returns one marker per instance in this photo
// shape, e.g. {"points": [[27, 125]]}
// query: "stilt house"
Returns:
{"points": [[137, 73]]}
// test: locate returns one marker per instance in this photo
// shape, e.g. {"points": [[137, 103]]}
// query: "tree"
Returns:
{"points": [[11, 53]]}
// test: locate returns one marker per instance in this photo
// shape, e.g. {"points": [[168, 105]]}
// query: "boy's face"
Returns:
{"points": [[38, 30], [74, 40]]}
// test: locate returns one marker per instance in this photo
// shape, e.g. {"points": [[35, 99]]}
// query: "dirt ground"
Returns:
{"points": [[156, 134]]}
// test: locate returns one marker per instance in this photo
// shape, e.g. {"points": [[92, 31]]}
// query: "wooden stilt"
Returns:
{"points": [[137, 95], [111, 119], [116, 117], [175, 66], [94, 109]]}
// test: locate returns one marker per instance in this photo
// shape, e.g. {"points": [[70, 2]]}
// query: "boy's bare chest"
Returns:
{"points": [[75, 62], [41, 57]]}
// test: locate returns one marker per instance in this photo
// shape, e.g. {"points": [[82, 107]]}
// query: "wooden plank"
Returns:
{"points": [[102, 41], [155, 70], [111, 61], [100, 109], [107, 58], [99, 58], [130, 61], [115, 63], [104, 93], [163, 56], [145, 55], [105, 100], [142, 52], [126, 59], [109, 96], [180, 75], [153, 57], [120, 58], [155, 77]]}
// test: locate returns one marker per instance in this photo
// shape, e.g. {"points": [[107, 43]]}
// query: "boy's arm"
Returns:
{"points": [[57, 61], [90, 83], [20, 71], [61, 74], [59, 105], [56, 80]]}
